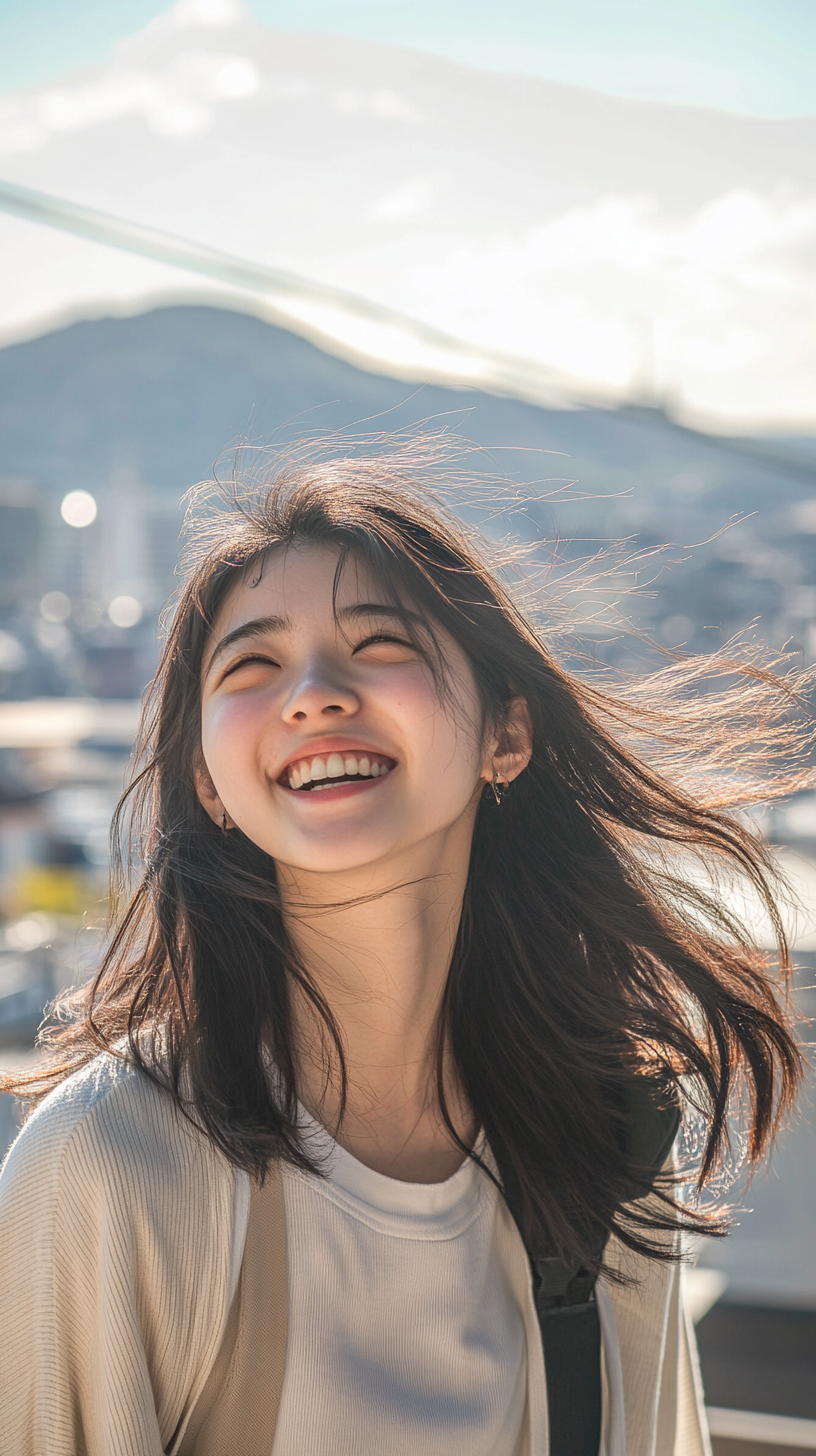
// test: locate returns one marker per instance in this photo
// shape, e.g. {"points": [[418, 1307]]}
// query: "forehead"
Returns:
{"points": [[300, 585]]}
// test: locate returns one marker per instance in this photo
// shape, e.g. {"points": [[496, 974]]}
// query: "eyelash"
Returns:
{"points": [[382, 637], [251, 657]]}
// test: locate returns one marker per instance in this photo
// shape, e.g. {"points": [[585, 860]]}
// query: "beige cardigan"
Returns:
{"points": [[115, 1243]]}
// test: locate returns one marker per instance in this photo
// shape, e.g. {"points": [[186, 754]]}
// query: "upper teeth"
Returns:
{"points": [[335, 766]]}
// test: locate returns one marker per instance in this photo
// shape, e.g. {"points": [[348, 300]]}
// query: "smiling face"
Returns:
{"points": [[324, 736]]}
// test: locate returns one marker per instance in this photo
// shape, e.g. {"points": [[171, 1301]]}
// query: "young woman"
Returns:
{"points": [[376, 1074]]}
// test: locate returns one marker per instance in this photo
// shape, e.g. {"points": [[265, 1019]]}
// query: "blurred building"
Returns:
{"points": [[78, 606]]}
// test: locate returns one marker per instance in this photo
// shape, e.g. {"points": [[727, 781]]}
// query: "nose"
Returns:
{"points": [[320, 694]]}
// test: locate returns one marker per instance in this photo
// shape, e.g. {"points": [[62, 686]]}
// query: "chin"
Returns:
{"points": [[334, 855]]}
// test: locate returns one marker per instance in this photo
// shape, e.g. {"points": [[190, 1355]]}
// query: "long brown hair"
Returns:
{"points": [[586, 950]]}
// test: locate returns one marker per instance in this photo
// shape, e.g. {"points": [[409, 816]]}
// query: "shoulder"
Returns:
{"points": [[109, 1134], [116, 1219]]}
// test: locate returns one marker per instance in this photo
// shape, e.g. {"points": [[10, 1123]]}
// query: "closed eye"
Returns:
{"points": [[254, 659], [390, 647]]}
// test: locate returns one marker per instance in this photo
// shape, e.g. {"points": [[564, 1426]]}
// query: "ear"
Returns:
{"points": [[511, 749], [208, 796]]}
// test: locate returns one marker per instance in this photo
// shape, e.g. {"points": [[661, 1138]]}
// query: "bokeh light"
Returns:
{"points": [[55, 607], [87, 614], [12, 653], [78, 508], [125, 611]]}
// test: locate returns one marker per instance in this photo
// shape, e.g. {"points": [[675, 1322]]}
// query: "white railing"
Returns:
{"points": [[768, 1430]]}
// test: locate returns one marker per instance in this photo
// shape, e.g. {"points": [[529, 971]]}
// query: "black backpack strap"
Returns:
{"points": [[571, 1336], [564, 1295]]}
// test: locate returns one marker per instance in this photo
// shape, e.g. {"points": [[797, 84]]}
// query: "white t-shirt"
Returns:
{"points": [[412, 1330]]}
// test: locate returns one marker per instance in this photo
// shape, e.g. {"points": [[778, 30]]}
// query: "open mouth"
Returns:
{"points": [[332, 770]]}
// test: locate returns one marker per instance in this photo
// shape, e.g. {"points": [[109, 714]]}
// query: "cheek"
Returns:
{"points": [[444, 740], [412, 701], [229, 735]]}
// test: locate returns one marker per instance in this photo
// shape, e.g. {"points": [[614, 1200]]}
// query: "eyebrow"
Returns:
{"points": [[378, 609]]}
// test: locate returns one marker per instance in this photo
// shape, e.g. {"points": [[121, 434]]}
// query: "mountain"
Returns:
{"points": [[631, 248]]}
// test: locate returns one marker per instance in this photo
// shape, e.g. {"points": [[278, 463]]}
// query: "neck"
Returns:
{"points": [[377, 944]]}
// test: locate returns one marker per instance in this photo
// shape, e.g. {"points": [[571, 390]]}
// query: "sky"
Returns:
{"points": [[756, 57]]}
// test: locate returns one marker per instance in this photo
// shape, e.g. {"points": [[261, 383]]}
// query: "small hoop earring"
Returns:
{"points": [[498, 788]]}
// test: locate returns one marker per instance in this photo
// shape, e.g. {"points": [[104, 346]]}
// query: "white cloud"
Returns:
{"points": [[711, 297], [209, 14], [213, 75], [351, 101], [172, 101], [406, 201]]}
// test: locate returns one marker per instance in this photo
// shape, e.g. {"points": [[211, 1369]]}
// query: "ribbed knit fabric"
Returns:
{"points": [[118, 1239], [430, 1358], [115, 1232]]}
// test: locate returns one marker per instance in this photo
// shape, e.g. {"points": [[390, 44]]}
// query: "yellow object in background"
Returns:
{"points": [[54, 890]]}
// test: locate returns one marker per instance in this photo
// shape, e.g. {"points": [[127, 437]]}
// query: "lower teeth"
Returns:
{"points": [[338, 783]]}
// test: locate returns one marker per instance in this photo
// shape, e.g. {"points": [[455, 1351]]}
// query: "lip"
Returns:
{"points": [[316, 747], [334, 795]]}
